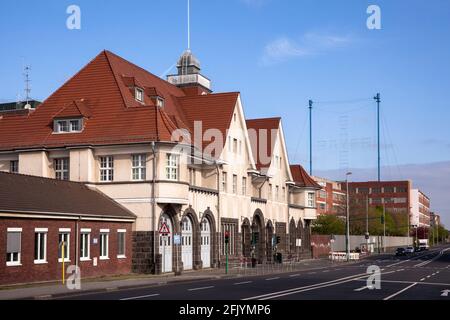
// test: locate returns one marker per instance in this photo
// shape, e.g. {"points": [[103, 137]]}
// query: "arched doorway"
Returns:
{"points": [[269, 241], [258, 237], [205, 242], [186, 243], [165, 244], [300, 235]]}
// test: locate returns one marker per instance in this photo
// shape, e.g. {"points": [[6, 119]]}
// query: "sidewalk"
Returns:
{"points": [[50, 290]]}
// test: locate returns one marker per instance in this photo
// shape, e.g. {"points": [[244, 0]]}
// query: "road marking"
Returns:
{"points": [[361, 289], [423, 279], [325, 271], [400, 292], [445, 293], [270, 279], [140, 297], [440, 254], [239, 283], [440, 284], [294, 275], [312, 272], [202, 288]]}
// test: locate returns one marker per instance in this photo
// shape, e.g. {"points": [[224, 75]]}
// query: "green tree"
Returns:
{"points": [[328, 224]]}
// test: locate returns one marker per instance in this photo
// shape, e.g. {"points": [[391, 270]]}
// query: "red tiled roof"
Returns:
{"points": [[101, 93], [263, 130], [302, 178]]}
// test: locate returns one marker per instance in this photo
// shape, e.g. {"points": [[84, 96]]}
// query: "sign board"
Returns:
{"points": [[164, 229], [176, 239], [298, 242]]}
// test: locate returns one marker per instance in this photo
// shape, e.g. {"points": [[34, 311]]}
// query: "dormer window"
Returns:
{"points": [[68, 126], [160, 102], [139, 94]]}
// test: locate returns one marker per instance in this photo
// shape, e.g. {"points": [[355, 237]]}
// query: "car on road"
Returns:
{"points": [[409, 250], [400, 252]]}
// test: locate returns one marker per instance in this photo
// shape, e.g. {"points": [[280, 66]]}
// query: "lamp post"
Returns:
{"points": [[347, 234]]}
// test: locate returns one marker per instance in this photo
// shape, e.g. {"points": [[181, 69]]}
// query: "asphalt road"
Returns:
{"points": [[422, 276]]}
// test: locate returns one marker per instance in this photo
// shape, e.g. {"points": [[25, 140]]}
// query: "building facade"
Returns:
{"points": [[184, 160], [331, 198], [420, 209], [39, 216]]}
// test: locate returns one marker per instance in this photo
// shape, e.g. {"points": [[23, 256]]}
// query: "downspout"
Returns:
{"points": [[154, 203], [219, 225]]}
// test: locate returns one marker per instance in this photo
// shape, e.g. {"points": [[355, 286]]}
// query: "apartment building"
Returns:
{"points": [[331, 198], [420, 209], [181, 158]]}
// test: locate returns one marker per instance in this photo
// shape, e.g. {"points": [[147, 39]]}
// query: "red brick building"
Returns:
{"points": [[37, 215], [331, 198]]}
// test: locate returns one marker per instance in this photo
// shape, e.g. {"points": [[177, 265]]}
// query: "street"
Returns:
{"points": [[422, 276]]}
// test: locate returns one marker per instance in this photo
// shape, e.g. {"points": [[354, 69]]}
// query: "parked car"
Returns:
{"points": [[409, 250], [400, 252]]}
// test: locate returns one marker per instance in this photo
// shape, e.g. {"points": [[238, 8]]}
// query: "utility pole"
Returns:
{"points": [[378, 100], [347, 234], [310, 138]]}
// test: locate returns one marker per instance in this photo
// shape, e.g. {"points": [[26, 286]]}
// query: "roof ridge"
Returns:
{"points": [[106, 52]]}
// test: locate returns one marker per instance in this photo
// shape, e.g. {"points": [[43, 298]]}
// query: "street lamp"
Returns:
{"points": [[347, 234]]}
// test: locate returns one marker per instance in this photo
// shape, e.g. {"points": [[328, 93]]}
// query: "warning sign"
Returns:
{"points": [[164, 229]]}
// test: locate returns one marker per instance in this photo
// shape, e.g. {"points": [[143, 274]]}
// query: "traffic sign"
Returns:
{"points": [[164, 229], [176, 239]]}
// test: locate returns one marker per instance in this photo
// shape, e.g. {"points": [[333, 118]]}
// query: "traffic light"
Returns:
{"points": [[227, 237]]}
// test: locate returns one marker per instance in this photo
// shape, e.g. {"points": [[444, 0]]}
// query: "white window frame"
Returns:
{"points": [[235, 184], [106, 164], [224, 181], [172, 161], [311, 199], [124, 233], [19, 261], [67, 123], [244, 186], [139, 94], [85, 233], [139, 167], [60, 169], [104, 244], [41, 234], [65, 231]]}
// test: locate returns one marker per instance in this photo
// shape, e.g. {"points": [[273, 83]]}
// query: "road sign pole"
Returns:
{"points": [[226, 258], [63, 267]]}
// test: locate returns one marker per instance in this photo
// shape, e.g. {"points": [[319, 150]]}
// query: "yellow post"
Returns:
{"points": [[63, 268]]}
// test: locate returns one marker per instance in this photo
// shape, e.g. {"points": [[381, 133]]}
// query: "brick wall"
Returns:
{"points": [[52, 270]]}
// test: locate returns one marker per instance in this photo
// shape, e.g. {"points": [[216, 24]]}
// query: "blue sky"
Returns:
{"points": [[278, 54]]}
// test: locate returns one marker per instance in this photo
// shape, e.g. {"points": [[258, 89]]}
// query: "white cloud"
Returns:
{"points": [[285, 48]]}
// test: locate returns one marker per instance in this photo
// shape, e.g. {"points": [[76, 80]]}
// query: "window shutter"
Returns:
{"points": [[13, 243]]}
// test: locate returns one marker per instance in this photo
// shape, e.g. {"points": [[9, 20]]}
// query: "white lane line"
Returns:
{"points": [[140, 297], [312, 272], [440, 284], [294, 275], [240, 283], [325, 271], [270, 279], [400, 292], [361, 289], [202, 288], [423, 279]]}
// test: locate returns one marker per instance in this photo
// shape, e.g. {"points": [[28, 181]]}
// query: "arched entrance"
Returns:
{"points": [[165, 244], [269, 241], [258, 237], [186, 243], [205, 242]]}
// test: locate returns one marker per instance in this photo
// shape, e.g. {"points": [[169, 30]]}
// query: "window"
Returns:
{"points": [[139, 162], [235, 146], [106, 168], [234, 184], [62, 168], [68, 125], [244, 186], [14, 166], [322, 194], [401, 190], [389, 189], [160, 102], [64, 237], [172, 167], [104, 244], [377, 200], [323, 206], [85, 250], [40, 245], [224, 181], [13, 246], [270, 191], [363, 190], [277, 193], [139, 94], [311, 199], [376, 190], [121, 233]]}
